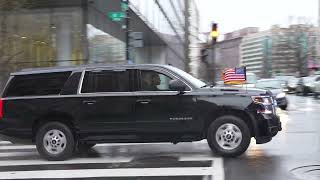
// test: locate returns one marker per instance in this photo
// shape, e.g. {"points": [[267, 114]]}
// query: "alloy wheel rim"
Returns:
{"points": [[228, 136], [54, 141]]}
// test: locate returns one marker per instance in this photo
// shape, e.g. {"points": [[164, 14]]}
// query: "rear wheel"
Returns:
{"points": [[55, 141], [228, 136]]}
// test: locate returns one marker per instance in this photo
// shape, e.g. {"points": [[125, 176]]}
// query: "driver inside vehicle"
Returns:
{"points": [[150, 81]]}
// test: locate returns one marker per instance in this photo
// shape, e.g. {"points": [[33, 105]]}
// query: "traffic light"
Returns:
{"points": [[204, 54], [214, 33]]}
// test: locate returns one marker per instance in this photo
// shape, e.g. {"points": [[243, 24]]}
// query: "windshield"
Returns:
{"points": [[194, 81], [272, 84], [284, 78]]}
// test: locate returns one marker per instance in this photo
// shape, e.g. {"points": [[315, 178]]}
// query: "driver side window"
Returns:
{"points": [[154, 81]]}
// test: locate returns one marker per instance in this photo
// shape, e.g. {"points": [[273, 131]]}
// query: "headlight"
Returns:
{"points": [[266, 103], [281, 95], [265, 100]]}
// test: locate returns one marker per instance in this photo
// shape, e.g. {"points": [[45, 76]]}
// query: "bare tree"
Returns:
{"points": [[8, 7], [293, 47]]}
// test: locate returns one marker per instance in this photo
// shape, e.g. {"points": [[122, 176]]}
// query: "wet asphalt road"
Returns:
{"points": [[293, 154]]}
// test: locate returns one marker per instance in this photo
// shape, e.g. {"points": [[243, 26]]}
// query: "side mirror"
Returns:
{"points": [[177, 85]]}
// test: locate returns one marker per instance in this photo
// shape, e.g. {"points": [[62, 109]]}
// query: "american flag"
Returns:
{"points": [[234, 75]]}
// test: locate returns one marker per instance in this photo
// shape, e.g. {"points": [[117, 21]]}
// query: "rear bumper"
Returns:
{"points": [[15, 139], [14, 134]]}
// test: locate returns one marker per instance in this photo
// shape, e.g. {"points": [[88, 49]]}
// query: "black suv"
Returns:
{"points": [[63, 110]]}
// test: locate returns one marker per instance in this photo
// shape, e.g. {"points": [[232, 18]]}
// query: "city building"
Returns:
{"points": [[281, 51], [227, 51], [226, 54], [255, 53], [40, 33]]}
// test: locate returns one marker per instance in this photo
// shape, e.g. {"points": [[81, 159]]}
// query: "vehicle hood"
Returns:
{"points": [[249, 85], [276, 91], [236, 91]]}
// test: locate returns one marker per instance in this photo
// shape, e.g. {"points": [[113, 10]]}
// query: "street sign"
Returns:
{"points": [[137, 43], [116, 16], [136, 35], [124, 6]]}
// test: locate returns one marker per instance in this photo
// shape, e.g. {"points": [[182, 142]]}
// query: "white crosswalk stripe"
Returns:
{"points": [[24, 162]]}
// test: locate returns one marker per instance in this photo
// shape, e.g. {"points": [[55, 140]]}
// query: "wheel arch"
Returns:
{"points": [[231, 111], [61, 117]]}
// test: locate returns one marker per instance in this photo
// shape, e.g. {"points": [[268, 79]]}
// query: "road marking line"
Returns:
{"points": [[21, 146], [217, 164], [17, 147], [73, 161], [130, 172], [17, 154]]}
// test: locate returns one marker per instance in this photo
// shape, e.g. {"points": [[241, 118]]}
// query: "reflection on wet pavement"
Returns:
{"points": [[298, 144]]}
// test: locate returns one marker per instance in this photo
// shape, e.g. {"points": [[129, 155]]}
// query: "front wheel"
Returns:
{"points": [[228, 136], [55, 141], [283, 107]]}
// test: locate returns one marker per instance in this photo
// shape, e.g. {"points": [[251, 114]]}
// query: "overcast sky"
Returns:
{"points": [[235, 14]]}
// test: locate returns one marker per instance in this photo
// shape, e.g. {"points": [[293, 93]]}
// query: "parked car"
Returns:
{"points": [[306, 85], [284, 81], [276, 88], [292, 84], [62, 110], [317, 87], [251, 80]]}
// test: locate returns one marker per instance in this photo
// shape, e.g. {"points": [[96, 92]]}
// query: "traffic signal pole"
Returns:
{"points": [[127, 26], [213, 65], [187, 34], [214, 35]]}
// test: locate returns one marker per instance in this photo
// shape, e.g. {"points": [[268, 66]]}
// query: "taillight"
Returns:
{"points": [[1, 108]]}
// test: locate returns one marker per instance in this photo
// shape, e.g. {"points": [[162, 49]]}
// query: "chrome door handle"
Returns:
{"points": [[90, 102], [143, 101]]}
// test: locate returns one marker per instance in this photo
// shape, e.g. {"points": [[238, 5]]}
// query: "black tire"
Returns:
{"points": [[284, 107], [69, 146], [243, 127], [305, 92], [298, 91]]}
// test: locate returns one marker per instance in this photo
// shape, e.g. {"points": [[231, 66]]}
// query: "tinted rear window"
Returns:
{"points": [[37, 84], [106, 81], [71, 86]]}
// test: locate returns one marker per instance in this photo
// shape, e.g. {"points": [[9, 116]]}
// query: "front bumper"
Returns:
{"points": [[267, 126], [282, 101]]}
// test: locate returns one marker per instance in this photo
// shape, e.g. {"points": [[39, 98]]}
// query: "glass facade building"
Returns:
{"points": [[42, 33]]}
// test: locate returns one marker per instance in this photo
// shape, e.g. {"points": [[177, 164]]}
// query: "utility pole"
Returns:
{"points": [[187, 35], [127, 28], [318, 13]]}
